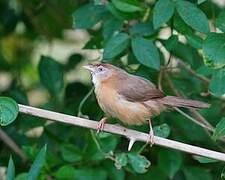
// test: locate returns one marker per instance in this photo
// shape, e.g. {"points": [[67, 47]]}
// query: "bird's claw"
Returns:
{"points": [[101, 125], [150, 139]]}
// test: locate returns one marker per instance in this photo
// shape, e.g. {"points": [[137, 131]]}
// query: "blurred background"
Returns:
{"points": [[44, 43]]}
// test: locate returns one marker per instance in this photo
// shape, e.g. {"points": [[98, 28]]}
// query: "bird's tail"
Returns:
{"points": [[181, 102]]}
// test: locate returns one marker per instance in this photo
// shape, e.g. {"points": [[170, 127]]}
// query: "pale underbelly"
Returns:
{"points": [[127, 112]]}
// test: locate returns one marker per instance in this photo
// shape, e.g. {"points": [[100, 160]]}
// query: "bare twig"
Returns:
{"points": [[130, 134], [198, 117], [9, 142], [192, 72]]}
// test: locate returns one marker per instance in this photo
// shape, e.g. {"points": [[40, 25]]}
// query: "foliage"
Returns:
{"points": [[134, 35]]}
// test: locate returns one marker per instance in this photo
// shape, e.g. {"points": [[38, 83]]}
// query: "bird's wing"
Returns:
{"points": [[137, 89]]}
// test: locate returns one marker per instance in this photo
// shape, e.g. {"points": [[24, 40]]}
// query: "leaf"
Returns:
{"points": [[10, 170], [121, 160], [146, 52], [171, 43], [162, 12], [182, 51], [70, 153], [37, 164], [73, 61], [138, 162], [90, 174], [169, 162], [201, 1], [110, 26], [220, 21], [205, 160], [65, 172], [112, 172], [9, 110], [51, 75], [153, 174], [88, 15], [108, 141], [181, 26], [162, 130], [118, 14], [214, 50], [143, 29], [194, 40], [126, 6], [197, 173], [216, 85], [220, 130], [22, 176], [192, 16], [116, 45]]}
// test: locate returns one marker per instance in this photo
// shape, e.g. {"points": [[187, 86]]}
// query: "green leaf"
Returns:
{"points": [[70, 153], [108, 142], [197, 173], [110, 26], [121, 160], [112, 172], [205, 160], [162, 130], [214, 50], [181, 26], [65, 172], [22, 176], [169, 162], [182, 51], [51, 75], [192, 16], [220, 130], [90, 174], [143, 29], [194, 40], [171, 43], [116, 45], [37, 164], [220, 21], [9, 110], [162, 12], [217, 83], [154, 173], [88, 15], [118, 14], [146, 52], [201, 1], [126, 6], [138, 162], [10, 170], [73, 61]]}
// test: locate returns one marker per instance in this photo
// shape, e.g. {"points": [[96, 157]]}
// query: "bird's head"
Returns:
{"points": [[102, 71]]}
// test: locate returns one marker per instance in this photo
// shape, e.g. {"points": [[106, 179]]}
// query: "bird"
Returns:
{"points": [[132, 99]]}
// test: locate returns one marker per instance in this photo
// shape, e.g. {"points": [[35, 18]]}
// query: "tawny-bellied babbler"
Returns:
{"points": [[130, 98]]}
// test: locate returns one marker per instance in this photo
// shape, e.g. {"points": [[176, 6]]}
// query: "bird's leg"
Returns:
{"points": [[101, 124], [151, 134]]}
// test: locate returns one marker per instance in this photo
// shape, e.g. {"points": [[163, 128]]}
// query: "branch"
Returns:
{"points": [[130, 134], [9, 142], [198, 117], [193, 72]]}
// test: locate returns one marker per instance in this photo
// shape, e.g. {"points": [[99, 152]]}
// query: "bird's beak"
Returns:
{"points": [[89, 68]]}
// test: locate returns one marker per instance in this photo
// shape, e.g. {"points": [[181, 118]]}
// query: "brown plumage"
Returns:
{"points": [[130, 98]]}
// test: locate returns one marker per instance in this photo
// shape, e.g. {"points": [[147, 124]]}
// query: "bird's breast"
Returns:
{"points": [[117, 106]]}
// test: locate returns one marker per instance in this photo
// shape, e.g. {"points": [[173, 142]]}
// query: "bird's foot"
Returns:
{"points": [[150, 139], [101, 125]]}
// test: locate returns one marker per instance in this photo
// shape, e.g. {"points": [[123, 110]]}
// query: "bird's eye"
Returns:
{"points": [[100, 69]]}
